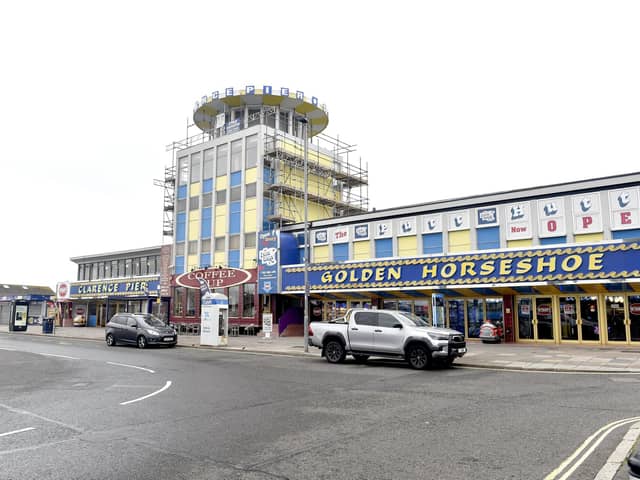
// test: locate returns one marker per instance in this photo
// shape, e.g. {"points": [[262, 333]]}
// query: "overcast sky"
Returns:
{"points": [[443, 99]]}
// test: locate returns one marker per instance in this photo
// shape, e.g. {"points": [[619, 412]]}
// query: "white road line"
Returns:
{"points": [[620, 454], [59, 356], [167, 385], [35, 415], [131, 366], [603, 432], [17, 431]]}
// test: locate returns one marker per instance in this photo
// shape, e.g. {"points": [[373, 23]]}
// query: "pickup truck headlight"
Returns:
{"points": [[439, 336]]}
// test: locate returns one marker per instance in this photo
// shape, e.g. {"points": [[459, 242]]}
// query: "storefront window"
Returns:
{"points": [[475, 316], [421, 309], [525, 319], [616, 330], [544, 318], [234, 297], [494, 312], [456, 315], [191, 302], [248, 300], [178, 299]]}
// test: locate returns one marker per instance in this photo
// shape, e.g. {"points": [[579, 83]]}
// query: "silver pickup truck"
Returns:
{"points": [[386, 333]]}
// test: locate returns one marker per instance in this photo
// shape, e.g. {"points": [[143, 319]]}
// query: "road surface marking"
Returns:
{"points": [[167, 385], [620, 454], [131, 366], [17, 431], [602, 433], [35, 415], [59, 356]]}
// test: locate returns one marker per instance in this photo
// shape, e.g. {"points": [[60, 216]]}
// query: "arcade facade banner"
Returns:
{"points": [[612, 261]]}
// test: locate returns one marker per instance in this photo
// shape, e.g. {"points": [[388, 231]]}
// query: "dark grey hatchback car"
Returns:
{"points": [[141, 329]]}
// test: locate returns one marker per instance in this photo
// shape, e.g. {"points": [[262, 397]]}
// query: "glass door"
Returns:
{"points": [[544, 318], [456, 314], [616, 325], [590, 328], [568, 318], [633, 307], [525, 319]]}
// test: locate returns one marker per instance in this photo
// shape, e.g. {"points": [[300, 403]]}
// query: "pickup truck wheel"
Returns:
{"points": [[334, 351], [361, 358], [418, 357]]}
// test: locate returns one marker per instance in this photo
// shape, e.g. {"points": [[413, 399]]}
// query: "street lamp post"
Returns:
{"points": [[305, 127]]}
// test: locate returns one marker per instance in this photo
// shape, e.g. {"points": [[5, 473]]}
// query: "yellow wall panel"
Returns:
{"points": [[519, 243], [250, 175], [321, 253], [192, 262], [361, 250], [460, 241], [408, 246], [194, 230], [220, 258], [220, 227], [589, 237], [194, 189], [221, 182], [249, 258]]}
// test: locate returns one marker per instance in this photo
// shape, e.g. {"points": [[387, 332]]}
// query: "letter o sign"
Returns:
{"points": [[552, 226]]}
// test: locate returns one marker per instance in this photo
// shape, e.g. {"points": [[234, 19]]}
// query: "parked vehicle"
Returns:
{"points": [[141, 329], [490, 333], [362, 333]]}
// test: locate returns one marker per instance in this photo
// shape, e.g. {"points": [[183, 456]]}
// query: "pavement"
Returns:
{"points": [[508, 356]]}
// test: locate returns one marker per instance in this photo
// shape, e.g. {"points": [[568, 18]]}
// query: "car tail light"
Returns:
{"points": [[310, 332]]}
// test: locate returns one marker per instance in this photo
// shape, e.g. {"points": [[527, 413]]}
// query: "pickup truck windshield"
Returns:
{"points": [[414, 320]]}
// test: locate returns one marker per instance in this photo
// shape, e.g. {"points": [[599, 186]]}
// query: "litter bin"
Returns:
{"points": [[47, 325]]}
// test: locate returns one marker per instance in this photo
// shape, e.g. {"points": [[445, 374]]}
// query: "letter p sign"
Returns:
{"points": [[586, 222]]}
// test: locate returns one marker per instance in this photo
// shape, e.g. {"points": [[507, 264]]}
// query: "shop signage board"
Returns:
{"points": [[614, 261], [131, 287]]}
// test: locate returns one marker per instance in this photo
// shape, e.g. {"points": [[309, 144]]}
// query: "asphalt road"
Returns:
{"points": [[111, 413]]}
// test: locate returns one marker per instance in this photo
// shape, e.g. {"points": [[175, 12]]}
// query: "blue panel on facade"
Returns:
{"points": [[234, 258], [182, 192], [179, 265], [625, 234], [207, 185], [553, 240], [181, 227], [488, 238], [570, 289], [236, 179], [268, 175], [205, 260], [288, 249], [340, 252], [384, 247], [234, 217], [432, 243], [205, 223]]}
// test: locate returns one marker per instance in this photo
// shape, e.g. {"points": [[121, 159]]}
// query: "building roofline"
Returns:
{"points": [[480, 200], [120, 253]]}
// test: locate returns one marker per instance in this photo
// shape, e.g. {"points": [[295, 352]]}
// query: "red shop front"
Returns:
{"points": [[239, 285]]}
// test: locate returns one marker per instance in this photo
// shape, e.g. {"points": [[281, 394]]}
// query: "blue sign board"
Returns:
{"points": [[119, 288], [267, 262], [615, 261]]}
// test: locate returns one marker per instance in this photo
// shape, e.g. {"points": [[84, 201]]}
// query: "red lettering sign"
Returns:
{"points": [[544, 310], [217, 277], [586, 221], [625, 218], [634, 309], [552, 226]]}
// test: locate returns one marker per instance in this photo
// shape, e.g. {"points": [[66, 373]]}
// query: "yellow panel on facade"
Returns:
{"points": [[194, 189], [321, 254], [408, 246], [519, 243], [460, 241], [194, 230], [361, 250], [192, 262], [250, 216], [589, 237], [249, 258], [250, 175], [220, 258], [221, 183]]}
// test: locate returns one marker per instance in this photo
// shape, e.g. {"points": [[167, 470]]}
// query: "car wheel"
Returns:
{"points": [[361, 358], [142, 341], [111, 341], [334, 351], [418, 357]]}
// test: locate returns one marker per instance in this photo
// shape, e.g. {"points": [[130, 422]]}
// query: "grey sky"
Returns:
{"points": [[444, 99]]}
